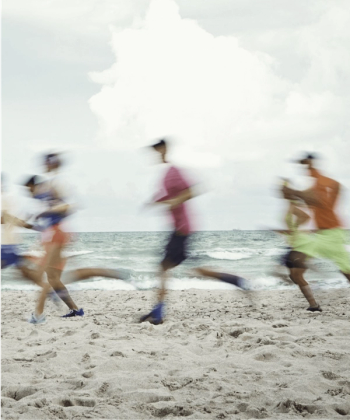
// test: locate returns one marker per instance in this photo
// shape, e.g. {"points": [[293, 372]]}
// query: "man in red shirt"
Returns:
{"points": [[177, 192], [329, 240]]}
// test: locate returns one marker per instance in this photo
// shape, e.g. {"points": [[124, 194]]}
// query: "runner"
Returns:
{"points": [[54, 237], [297, 240], [10, 239], [329, 240], [178, 192]]}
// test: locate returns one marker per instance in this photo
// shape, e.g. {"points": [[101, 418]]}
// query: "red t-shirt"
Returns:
{"points": [[174, 184]]}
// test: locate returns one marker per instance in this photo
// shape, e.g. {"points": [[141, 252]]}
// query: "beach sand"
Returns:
{"points": [[220, 354]]}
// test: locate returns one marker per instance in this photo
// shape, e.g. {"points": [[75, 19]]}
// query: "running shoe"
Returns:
{"points": [[74, 312], [237, 281], [315, 309], [155, 317], [34, 319]]}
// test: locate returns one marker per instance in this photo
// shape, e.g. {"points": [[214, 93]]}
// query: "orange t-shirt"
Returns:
{"points": [[326, 190]]}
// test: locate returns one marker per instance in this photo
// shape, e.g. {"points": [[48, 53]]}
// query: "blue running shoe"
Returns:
{"points": [[155, 317], [35, 319], [74, 312]]}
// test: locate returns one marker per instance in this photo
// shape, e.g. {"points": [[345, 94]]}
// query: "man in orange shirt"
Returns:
{"points": [[329, 240]]}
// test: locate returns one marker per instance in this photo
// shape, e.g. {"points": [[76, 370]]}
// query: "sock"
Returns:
{"points": [[158, 311]]}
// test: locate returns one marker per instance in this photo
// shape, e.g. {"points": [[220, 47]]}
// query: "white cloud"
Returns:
{"points": [[171, 76], [212, 95], [224, 103]]}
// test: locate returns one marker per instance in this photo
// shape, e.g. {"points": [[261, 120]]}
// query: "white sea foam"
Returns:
{"points": [[229, 255], [237, 254], [102, 285], [65, 254], [149, 282], [272, 252]]}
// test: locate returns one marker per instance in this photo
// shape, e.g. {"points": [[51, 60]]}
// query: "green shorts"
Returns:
{"points": [[301, 242], [330, 244]]}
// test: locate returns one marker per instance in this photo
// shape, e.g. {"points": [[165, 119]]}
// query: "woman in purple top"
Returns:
{"points": [[178, 192]]}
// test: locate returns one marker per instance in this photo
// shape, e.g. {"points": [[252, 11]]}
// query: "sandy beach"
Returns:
{"points": [[220, 354]]}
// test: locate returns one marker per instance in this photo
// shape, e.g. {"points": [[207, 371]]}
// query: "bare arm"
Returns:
{"points": [[301, 216], [179, 199], [9, 218]]}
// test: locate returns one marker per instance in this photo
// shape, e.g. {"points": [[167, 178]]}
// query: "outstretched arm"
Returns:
{"points": [[9, 218]]}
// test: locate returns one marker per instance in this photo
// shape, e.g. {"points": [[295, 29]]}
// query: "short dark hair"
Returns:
{"points": [[33, 180], [160, 143], [52, 158], [307, 157]]}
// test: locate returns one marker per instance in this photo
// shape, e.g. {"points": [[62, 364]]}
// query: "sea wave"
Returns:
{"points": [[65, 254], [229, 255], [237, 254], [266, 282]]}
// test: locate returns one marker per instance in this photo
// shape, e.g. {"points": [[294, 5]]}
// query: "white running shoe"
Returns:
{"points": [[37, 319]]}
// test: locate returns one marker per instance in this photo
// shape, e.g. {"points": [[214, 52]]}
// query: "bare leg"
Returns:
{"points": [[86, 273], [297, 275], [163, 281], [347, 275], [227, 278], [156, 315], [33, 275], [54, 279]]}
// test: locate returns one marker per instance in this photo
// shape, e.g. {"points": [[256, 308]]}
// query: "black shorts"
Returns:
{"points": [[286, 259], [176, 250]]}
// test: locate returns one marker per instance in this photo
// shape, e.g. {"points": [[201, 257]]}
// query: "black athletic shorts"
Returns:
{"points": [[286, 259], [176, 250]]}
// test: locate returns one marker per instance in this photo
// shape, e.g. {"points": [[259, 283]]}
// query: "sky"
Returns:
{"points": [[239, 87]]}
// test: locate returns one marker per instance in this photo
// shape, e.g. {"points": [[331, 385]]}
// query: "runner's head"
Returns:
{"points": [[52, 161], [308, 160], [161, 148]]}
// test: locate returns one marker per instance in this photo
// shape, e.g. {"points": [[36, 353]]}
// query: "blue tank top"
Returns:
{"points": [[49, 219]]}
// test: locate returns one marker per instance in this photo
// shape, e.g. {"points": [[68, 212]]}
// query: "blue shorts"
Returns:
{"points": [[10, 256]]}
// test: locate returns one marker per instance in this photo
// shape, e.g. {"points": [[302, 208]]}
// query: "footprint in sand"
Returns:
{"points": [[17, 393], [330, 375], [265, 357], [83, 402]]}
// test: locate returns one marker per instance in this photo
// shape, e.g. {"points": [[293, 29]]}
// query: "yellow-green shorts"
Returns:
{"points": [[330, 244], [302, 242]]}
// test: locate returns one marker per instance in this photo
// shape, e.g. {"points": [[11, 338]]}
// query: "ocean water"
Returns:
{"points": [[250, 254]]}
